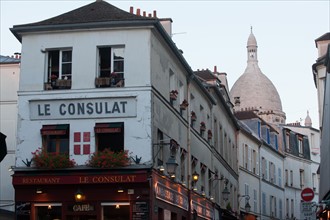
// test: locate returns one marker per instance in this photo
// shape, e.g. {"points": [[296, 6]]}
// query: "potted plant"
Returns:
{"points": [[174, 94], [184, 105], [51, 160], [202, 126], [209, 134], [193, 116], [108, 159]]}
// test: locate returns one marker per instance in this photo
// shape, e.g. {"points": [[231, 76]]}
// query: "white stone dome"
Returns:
{"points": [[254, 91]]}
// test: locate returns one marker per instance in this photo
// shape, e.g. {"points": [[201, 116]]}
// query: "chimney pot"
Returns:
{"points": [[215, 69], [155, 14], [131, 10], [149, 15], [138, 12]]}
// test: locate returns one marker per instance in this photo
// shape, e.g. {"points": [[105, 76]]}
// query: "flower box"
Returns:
{"points": [[174, 94], [209, 134], [51, 160], [63, 83], [108, 159], [193, 116], [102, 82], [184, 105], [202, 126]]}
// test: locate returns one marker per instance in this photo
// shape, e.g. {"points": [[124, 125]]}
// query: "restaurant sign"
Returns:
{"points": [[82, 108], [171, 196], [79, 179]]}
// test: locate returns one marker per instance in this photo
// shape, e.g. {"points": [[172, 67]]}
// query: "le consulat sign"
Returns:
{"points": [[82, 108]]}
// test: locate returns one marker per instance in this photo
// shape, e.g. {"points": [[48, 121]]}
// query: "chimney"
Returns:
{"points": [[237, 102], [138, 12], [131, 10], [155, 14], [215, 69], [144, 13], [149, 15]]}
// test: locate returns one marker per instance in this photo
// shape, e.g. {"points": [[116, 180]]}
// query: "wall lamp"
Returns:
{"points": [[247, 204], [225, 192], [79, 196], [171, 166], [195, 177], [39, 191]]}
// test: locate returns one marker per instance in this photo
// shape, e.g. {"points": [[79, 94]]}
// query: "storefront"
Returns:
{"points": [[103, 194], [82, 194]]}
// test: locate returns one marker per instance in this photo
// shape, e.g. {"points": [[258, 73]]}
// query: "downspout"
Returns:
{"points": [[189, 148]]}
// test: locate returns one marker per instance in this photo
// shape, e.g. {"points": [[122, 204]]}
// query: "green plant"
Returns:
{"points": [[108, 159], [51, 160]]}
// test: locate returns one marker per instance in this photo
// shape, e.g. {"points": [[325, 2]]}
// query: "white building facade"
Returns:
{"points": [[9, 77]]}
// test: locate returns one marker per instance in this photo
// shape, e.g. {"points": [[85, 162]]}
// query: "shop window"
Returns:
{"points": [[48, 211], [55, 138], [59, 69], [110, 136], [111, 67], [120, 210]]}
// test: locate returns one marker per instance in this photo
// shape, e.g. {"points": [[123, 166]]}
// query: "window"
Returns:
{"points": [[259, 128], [183, 164], [110, 136], [160, 148], [302, 176], [55, 138], [314, 181], [280, 208], [264, 203], [59, 69], [118, 210], [280, 177], [287, 141], [300, 146], [286, 177], [268, 136], [287, 207], [59, 64], [111, 65], [291, 177], [255, 196], [292, 207], [276, 142]]}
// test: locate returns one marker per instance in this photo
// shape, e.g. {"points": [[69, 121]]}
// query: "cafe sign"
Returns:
{"points": [[82, 108], [171, 196]]}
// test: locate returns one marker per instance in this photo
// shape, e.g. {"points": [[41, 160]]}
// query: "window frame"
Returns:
{"points": [[49, 65]]}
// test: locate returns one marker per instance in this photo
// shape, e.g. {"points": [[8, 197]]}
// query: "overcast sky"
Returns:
{"points": [[215, 33]]}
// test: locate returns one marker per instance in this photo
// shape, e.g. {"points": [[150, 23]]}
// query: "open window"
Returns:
{"points": [[110, 67], [109, 136], [55, 138], [59, 69]]}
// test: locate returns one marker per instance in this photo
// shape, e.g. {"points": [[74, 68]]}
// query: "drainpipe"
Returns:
{"points": [[188, 148]]}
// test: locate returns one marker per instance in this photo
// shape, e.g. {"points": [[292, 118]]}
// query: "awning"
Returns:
{"points": [[54, 129], [108, 127]]}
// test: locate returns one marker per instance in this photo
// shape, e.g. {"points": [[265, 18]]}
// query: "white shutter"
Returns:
{"points": [[250, 158]]}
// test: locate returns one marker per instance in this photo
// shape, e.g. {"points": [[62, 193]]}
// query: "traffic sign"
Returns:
{"points": [[307, 212], [307, 194]]}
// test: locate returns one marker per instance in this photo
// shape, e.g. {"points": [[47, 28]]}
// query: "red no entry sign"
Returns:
{"points": [[307, 194]]}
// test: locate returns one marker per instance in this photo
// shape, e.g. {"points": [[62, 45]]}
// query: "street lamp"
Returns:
{"points": [[171, 166], [247, 204], [225, 193]]}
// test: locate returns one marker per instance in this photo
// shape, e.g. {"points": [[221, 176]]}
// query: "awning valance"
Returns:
{"points": [[108, 127], [54, 129]]}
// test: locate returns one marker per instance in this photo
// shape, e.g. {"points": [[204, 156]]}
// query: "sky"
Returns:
{"points": [[215, 33]]}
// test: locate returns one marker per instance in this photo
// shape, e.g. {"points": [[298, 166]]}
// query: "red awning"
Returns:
{"points": [[108, 127], [54, 129]]}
